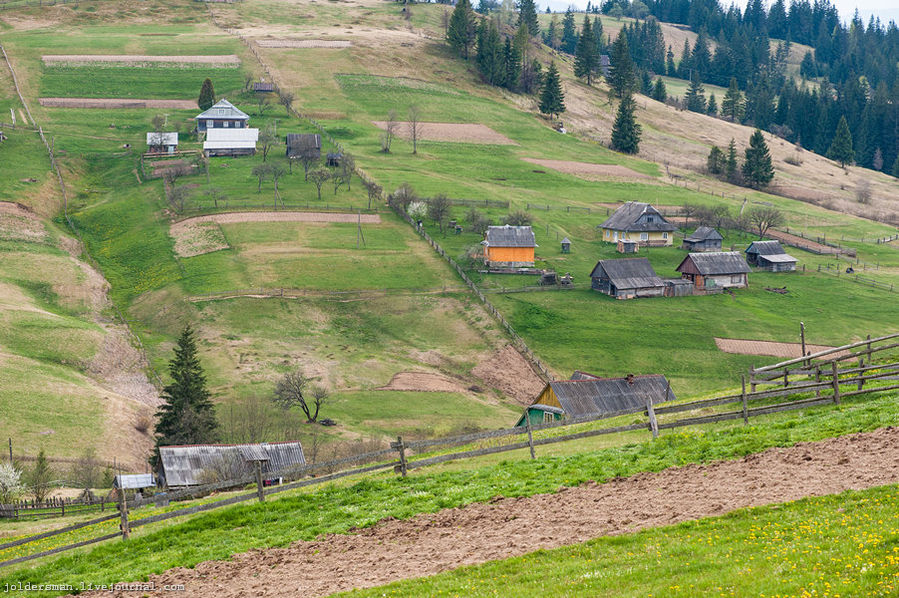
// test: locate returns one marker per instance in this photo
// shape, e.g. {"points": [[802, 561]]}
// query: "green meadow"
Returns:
{"points": [[145, 82]]}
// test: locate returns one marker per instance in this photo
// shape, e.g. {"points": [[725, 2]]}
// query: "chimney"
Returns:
{"points": [[630, 379]]}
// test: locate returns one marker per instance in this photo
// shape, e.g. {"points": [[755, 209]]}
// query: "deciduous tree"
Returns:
{"points": [[295, 389]]}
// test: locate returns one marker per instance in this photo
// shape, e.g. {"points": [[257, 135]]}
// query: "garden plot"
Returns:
{"points": [[586, 170], [230, 60], [453, 132], [197, 237], [116, 103], [774, 349], [422, 382], [303, 43]]}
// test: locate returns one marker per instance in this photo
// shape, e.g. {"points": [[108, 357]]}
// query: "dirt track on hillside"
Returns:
{"points": [[774, 349], [431, 543], [589, 171]]}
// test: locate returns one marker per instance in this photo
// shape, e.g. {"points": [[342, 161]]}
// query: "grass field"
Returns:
{"points": [[155, 82], [765, 551]]}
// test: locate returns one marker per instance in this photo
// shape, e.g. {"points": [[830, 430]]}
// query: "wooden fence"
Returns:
{"points": [[832, 386], [859, 278], [54, 507]]}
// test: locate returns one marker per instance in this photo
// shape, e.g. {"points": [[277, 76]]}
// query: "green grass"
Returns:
{"points": [[151, 82], [336, 509], [765, 551], [24, 158]]}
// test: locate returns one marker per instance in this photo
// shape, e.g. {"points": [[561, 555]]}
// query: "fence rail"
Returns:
{"points": [[859, 278]]}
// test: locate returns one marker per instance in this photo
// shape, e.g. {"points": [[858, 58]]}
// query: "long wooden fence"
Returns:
{"points": [[813, 380]]}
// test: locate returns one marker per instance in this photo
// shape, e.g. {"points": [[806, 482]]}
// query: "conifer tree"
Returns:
{"points": [[685, 64], [527, 14], [597, 35], [712, 106], [553, 35], [186, 415], [695, 96], [841, 148], [757, 167], [462, 28], [585, 57], [512, 66], [622, 77], [670, 67], [569, 34], [732, 104], [552, 100], [626, 131], [659, 93], [895, 170], [716, 161], [730, 164], [207, 95]]}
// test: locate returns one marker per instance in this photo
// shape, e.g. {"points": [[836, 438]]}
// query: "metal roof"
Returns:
{"points": [[780, 258], [579, 375], [231, 138], [717, 263], [510, 236], [627, 218], [704, 233], [134, 481], [566, 240], [765, 248], [223, 109], [611, 395], [304, 141], [184, 465], [628, 273], [548, 408], [157, 138], [263, 86]]}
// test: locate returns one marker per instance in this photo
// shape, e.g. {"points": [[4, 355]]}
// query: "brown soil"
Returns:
{"points": [[303, 43], [589, 171], [508, 371], [797, 240], [116, 103], [785, 350], [131, 59], [234, 217], [197, 237], [462, 133], [422, 382], [431, 543], [17, 223]]}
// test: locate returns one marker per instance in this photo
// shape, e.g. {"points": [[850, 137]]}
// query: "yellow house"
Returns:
{"points": [[509, 247], [639, 222]]}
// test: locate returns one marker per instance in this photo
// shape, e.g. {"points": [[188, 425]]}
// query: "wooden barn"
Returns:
{"points": [[585, 395], [717, 270], [195, 464], [162, 143], [223, 115], [231, 142], [627, 278], [509, 247], [263, 87], [704, 238], [640, 222], [307, 145], [769, 255]]}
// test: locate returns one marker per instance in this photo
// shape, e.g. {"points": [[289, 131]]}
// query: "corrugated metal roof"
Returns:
{"points": [[566, 240], [510, 236], [626, 218], [134, 481], [304, 141], [717, 263], [781, 258], [579, 375], [223, 109], [548, 408], [185, 465], [704, 233], [765, 248], [610, 395], [231, 138], [157, 138], [628, 273]]}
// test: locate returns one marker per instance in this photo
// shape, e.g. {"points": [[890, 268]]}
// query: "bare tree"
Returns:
{"points": [[308, 158], [401, 198], [267, 140], [444, 20], [158, 122], [373, 189], [216, 195], [275, 172], [347, 169], [247, 80], [263, 104], [389, 131], [765, 218], [439, 209], [286, 98], [337, 180], [518, 218], [414, 126], [319, 177], [863, 191], [294, 389], [251, 420], [261, 171]]}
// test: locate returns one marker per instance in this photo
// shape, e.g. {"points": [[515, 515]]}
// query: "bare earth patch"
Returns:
{"points": [[431, 543], [422, 382], [137, 59], [589, 171], [116, 103], [303, 43], [509, 372], [197, 237], [774, 349], [236, 217], [455, 132], [797, 240], [20, 224]]}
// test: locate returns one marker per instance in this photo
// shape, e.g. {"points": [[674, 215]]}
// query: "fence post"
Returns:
{"points": [[818, 379], [259, 491], [400, 446], [745, 408], [836, 383], [861, 374], [123, 511], [527, 419], [653, 423], [752, 378]]}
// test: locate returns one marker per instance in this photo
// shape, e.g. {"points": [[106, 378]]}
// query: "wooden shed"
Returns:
{"points": [[159, 142], [263, 87], [714, 271], [769, 255], [192, 465], [566, 245], [627, 278], [305, 145], [704, 238], [591, 395], [639, 222], [509, 247]]}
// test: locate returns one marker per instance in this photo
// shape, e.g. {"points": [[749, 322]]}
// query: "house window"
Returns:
{"points": [[665, 236], [547, 417], [650, 219], [736, 278], [644, 236], [615, 236]]}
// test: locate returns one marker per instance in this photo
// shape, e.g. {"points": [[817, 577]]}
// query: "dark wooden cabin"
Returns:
{"points": [[704, 238], [713, 271], [307, 145], [769, 255], [627, 278]]}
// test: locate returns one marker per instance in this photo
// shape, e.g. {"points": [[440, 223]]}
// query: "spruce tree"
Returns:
{"points": [[186, 415], [716, 161], [695, 97], [841, 148], [597, 35], [569, 34], [462, 28], [512, 66], [659, 93], [626, 131], [685, 64], [730, 164], [622, 77], [585, 57], [757, 167], [732, 104], [670, 67], [712, 106], [527, 14], [552, 100], [553, 35], [207, 95]]}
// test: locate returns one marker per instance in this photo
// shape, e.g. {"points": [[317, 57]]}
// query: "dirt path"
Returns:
{"points": [[234, 217], [587, 170], [429, 544], [796, 240], [774, 349]]}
